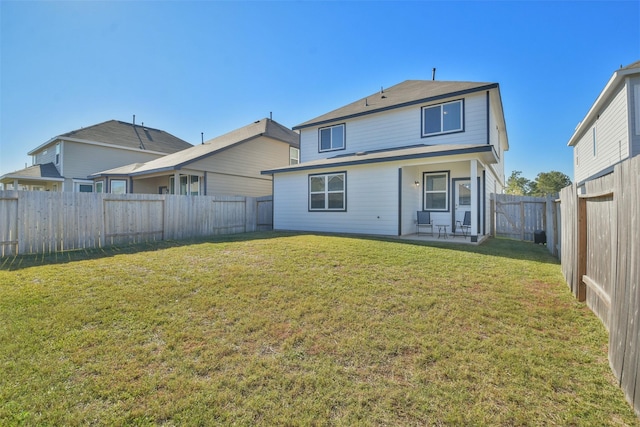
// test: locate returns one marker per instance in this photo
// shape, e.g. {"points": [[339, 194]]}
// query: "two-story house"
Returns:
{"points": [[229, 164], [610, 132], [64, 162], [369, 166]]}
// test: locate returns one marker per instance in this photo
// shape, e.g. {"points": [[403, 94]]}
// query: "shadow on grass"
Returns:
{"points": [[505, 248]]}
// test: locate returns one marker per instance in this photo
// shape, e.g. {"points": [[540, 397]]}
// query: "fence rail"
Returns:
{"points": [[601, 262], [46, 222]]}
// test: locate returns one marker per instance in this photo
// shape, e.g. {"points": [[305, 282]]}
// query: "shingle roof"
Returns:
{"points": [[407, 93], [115, 132], [45, 171], [264, 127], [631, 66]]}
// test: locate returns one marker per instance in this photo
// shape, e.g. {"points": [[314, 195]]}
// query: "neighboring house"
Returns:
{"points": [[369, 166], [229, 164], [64, 162], [610, 132]]}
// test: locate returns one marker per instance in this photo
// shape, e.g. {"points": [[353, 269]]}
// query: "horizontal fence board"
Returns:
{"points": [[46, 222]]}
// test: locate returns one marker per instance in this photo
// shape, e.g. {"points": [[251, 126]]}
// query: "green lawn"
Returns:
{"points": [[295, 329]]}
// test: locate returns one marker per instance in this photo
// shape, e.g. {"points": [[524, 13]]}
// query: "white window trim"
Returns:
{"points": [[294, 155], [326, 192], [441, 106], [95, 186], [344, 138], [126, 185], [78, 182], [172, 190], [446, 191]]}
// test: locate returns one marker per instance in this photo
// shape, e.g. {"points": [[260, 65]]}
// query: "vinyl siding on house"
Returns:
{"points": [[612, 139], [496, 138], [365, 212], [42, 158], [236, 171], [398, 128], [81, 160]]}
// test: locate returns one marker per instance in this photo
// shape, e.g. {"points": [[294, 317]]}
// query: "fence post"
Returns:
{"points": [[582, 249]]}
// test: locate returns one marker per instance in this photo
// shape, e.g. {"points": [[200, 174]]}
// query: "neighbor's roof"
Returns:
{"points": [[409, 92], [121, 134], [608, 91], [422, 151], [45, 172], [264, 127]]}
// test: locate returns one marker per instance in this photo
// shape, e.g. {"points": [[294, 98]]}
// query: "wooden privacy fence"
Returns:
{"points": [[601, 262], [45, 222], [519, 217]]}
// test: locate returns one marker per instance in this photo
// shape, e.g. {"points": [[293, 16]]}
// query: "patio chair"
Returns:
{"points": [[424, 220], [465, 224]]}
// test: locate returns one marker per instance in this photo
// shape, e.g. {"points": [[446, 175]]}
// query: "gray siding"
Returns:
{"points": [[81, 160], [237, 170], [612, 139]]}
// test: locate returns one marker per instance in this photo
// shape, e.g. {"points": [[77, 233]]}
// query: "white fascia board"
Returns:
{"points": [[604, 96], [29, 178]]}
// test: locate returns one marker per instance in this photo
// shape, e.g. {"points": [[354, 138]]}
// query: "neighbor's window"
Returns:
{"points": [[332, 138], [294, 155], [189, 185], [436, 191], [99, 186], [57, 153], [119, 186], [85, 188], [443, 118], [194, 185], [327, 192]]}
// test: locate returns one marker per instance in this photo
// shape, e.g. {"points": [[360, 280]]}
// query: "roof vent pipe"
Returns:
{"points": [[202, 138], [270, 115], [134, 119], [433, 74]]}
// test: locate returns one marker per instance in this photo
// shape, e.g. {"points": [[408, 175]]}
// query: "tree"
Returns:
{"points": [[548, 183], [518, 185]]}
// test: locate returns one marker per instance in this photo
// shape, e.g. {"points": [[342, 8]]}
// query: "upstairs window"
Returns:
{"points": [[58, 153], [327, 192], [443, 118], [294, 155], [331, 138]]}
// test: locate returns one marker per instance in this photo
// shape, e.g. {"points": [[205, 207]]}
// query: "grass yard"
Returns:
{"points": [[295, 329]]}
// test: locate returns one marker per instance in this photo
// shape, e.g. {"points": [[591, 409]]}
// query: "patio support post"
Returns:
{"points": [[473, 175], [176, 183]]}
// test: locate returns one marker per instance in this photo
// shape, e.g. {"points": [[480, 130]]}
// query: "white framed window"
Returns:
{"points": [[119, 186], [331, 138], [328, 192], [436, 191], [99, 186], [82, 186], [294, 155], [189, 185], [58, 153], [443, 118]]}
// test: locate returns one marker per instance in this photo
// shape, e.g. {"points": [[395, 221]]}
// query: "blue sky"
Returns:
{"points": [[206, 66]]}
